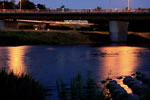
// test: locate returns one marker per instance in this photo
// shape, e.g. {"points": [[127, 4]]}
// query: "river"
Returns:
{"points": [[50, 63]]}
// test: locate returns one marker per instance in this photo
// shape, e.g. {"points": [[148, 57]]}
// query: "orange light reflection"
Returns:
{"points": [[120, 60], [16, 62]]}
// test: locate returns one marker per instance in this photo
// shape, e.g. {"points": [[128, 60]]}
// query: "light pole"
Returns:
{"points": [[20, 4], [128, 4]]}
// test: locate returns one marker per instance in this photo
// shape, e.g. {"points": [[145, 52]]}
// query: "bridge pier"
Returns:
{"points": [[118, 30]]}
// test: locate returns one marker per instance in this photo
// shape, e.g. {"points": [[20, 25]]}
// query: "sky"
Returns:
{"points": [[84, 4]]}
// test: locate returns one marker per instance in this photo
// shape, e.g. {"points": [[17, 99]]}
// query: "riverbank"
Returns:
{"points": [[53, 37], [23, 87], [49, 37]]}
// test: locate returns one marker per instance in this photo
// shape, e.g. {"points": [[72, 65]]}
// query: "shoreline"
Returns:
{"points": [[65, 37]]}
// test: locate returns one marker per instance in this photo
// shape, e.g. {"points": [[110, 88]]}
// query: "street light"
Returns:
{"points": [[128, 4], [20, 4]]}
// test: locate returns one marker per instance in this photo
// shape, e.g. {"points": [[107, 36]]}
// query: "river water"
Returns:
{"points": [[49, 63]]}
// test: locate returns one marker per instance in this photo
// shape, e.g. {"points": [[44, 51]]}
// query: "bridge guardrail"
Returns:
{"points": [[73, 10]]}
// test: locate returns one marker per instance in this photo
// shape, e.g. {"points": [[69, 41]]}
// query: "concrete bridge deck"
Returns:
{"points": [[76, 14]]}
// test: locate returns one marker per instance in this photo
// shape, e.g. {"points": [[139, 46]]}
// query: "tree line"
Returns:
{"points": [[25, 4]]}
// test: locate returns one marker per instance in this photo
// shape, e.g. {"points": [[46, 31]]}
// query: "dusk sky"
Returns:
{"points": [[93, 3]]}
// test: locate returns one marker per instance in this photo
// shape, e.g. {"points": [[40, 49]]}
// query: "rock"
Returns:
{"points": [[127, 79], [139, 76], [132, 97], [108, 79], [135, 85], [132, 74], [131, 83], [117, 92], [113, 81], [138, 89], [120, 77], [146, 79], [103, 81]]}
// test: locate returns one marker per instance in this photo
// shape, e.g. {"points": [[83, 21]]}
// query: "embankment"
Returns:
{"points": [[64, 37]]}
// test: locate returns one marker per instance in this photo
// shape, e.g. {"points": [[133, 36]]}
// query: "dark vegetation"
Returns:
{"points": [[64, 37], [25, 4], [79, 90], [30, 38], [22, 87]]}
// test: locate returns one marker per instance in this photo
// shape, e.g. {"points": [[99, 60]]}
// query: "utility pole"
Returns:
{"points": [[20, 4], [128, 4]]}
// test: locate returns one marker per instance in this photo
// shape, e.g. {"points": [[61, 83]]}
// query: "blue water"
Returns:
{"points": [[50, 63]]}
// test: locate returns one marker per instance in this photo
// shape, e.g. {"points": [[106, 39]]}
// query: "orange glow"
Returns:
{"points": [[16, 62], [121, 61]]}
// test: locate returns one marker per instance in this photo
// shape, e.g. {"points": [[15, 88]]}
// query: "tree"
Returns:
{"points": [[12, 3], [26, 4], [98, 8], [7, 5], [41, 6]]}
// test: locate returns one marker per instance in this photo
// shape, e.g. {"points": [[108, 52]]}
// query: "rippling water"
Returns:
{"points": [[49, 63]]}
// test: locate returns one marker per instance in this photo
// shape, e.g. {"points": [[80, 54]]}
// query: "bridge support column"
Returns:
{"points": [[118, 31], [2, 24]]}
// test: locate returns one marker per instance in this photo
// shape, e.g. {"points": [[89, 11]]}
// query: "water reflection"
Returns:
{"points": [[49, 63], [16, 61], [120, 61]]}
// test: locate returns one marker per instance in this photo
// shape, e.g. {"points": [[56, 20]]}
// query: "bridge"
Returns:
{"points": [[118, 18]]}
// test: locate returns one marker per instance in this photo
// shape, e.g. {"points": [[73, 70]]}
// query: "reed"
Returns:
{"points": [[78, 90], [22, 87]]}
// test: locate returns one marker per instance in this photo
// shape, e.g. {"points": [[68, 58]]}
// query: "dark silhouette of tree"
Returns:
{"points": [[63, 6], [13, 1], [26, 4], [7, 5], [41, 6], [98, 8]]}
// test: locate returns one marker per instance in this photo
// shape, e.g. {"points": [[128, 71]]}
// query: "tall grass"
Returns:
{"points": [[78, 90], [31, 38], [22, 87]]}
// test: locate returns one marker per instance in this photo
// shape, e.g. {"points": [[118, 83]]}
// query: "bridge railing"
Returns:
{"points": [[73, 10]]}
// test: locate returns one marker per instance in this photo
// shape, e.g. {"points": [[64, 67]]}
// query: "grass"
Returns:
{"points": [[22, 87], [64, 37], [78, 90], [31, 38]]}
